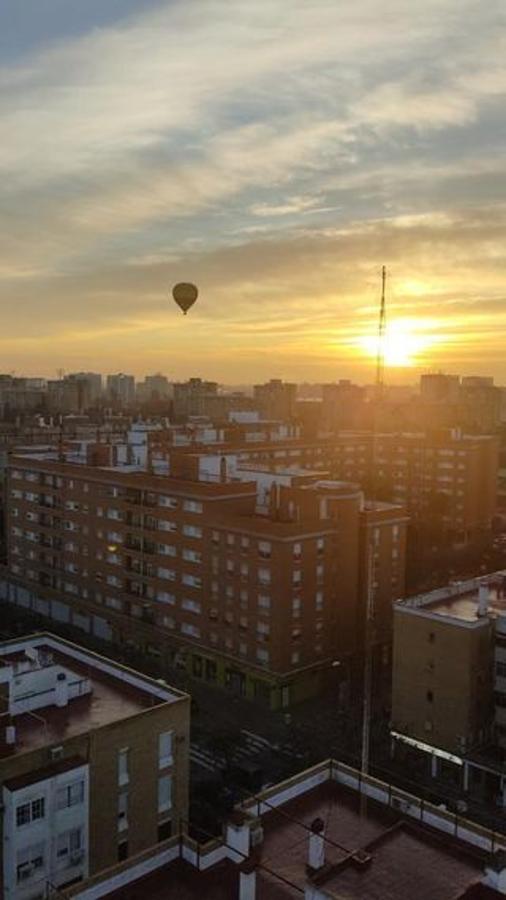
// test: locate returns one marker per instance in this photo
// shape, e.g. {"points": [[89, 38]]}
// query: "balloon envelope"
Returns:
{"points": [[185, 295]]}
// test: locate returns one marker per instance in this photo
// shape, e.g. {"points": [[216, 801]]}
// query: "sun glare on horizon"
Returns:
{"points": [[404, 342]]}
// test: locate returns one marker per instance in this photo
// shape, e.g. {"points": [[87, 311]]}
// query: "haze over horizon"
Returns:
{"points": [[276, 153]]}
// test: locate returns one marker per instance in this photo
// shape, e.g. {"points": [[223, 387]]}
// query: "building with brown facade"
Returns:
{"points": [[252, 578], [93, 764], [449, 678], [446, 480]]}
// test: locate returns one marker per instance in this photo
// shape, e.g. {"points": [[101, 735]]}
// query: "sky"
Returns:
{"points": [[275, 152]]}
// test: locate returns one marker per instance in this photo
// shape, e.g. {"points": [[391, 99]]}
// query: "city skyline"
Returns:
{"points": [[277, 154]]}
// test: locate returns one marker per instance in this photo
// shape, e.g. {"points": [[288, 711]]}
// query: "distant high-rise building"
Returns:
{"points": [[192, 397], [436, 387], [121, 389], [276, 399], [89, 388], [154, 387]]}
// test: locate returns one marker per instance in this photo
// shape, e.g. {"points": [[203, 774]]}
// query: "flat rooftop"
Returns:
{"points": [[110, 692], [460, 600], [404, 860]]}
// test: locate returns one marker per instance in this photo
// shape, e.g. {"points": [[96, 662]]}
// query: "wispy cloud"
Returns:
{"points": [[166, 142]]}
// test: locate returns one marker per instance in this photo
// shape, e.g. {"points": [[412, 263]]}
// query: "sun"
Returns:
{"points": [[403, 342]]}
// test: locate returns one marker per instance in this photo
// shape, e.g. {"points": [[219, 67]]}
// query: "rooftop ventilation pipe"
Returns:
{"points": [[316, 858]]}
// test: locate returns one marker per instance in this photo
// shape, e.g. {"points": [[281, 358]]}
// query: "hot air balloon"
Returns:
{"points": [[185, 295]]}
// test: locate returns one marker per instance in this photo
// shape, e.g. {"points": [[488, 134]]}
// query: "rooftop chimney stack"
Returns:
{"points": [[483, 593], [316, 858], [62, 690]]}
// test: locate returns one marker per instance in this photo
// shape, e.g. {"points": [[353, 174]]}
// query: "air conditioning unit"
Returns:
{"points": [[25, 872], [56, 753]]}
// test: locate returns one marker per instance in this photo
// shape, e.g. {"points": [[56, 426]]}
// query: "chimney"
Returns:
{"points": [[62, 690], [316, 858], [483, 593], [495, 872]]}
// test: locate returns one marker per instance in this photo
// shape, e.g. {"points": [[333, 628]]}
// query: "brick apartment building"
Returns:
{"points": [[93, 764], [449, 679], [252, 579], [446, 481]]}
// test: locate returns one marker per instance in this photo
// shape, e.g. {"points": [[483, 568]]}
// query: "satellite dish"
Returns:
{"points": [[185, 295]]}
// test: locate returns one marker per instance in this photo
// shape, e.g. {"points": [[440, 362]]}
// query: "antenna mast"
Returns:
{"points": [[380, 356], [370, 598]]}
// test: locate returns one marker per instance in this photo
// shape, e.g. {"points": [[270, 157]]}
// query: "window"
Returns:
{"points": [[123, 777], [430, 696], [166, 525], [295, 658], [165, 597], [69, 843], [164, 831], [432, 637], [194, 581], [122, 812], [165, 757], [190, 630], [297, 576], [262, 655], [113, 603], [192, 555], [320, 546], [70, 795], [192, 506], [215, 537], [264, 576], [166, 550], [168, 502], [122, 851], [264, 549], [28, 860], [230, 540], [244, 543], [263, 628], [192, 531], [30, 812], [168, 574], [191, 605], [264, 601], [319, 600], [164, 793]]}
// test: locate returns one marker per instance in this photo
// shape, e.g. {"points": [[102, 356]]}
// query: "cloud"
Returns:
{"points": [[278, 151]]}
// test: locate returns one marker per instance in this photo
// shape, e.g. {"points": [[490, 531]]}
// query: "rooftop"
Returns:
{"points": [[96, 691], [383, 851], [470, 601]]}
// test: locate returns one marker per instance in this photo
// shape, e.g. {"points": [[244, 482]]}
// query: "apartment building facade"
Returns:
{"points": [[449, 677], [93, 764], [447, 481], [251, 580]]}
